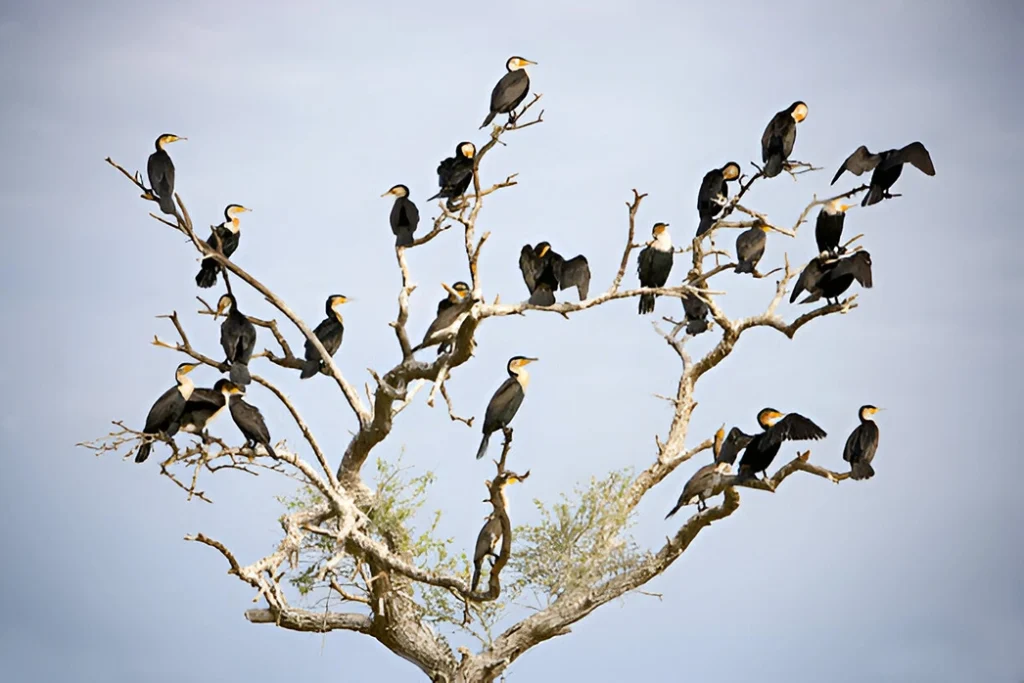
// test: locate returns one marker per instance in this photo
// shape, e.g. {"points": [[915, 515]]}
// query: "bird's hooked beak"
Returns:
{"points": [[527, 361], [188, 368], [526, 62], [389, 193], [846, 207], [176, 139]]}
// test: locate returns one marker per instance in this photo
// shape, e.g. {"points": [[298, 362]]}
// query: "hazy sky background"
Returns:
{"points": [[306, 115]]}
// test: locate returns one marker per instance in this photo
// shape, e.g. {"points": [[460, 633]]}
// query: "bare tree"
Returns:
{"points": [[348, 542]]}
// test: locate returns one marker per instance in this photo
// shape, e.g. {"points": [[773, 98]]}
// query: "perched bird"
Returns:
{"points": [[830, 278], [544, 271], [489, 539], [451, 311], [247, 418], [888, 166], [862, 444], [704, 481], [697, 312], [405, 217], [202, 408], [510, 91], [654, 264], [506, 400], [828, 230], [160, 169], [714, 190], [750, 247], [762, 448], [237, 338], [329, 332], [226, 235], [454, 174], [164, 417], [779, 137]]}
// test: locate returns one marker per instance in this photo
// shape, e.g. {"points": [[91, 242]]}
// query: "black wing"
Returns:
{"points": [[773, 130], [793, 427], [165, 411], [858, 265], [250, 421], [712, 186], [503, 405], [330, 333], [734, 443], [510, 91], [808, 280], [857, 163], [160, 169], [532, 267], [445, 169], [644, 264], [750, 244], [694, 307], [404, 215], [916, 154], [862, 443], [573, 273]]}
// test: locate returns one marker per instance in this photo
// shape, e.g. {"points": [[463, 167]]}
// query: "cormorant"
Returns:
{"points": [[227, 234], [329, 332], [714, 184], [405, 217], [704, 481], [160, 169], [654, 264], [454, 174], [696, 311], [510, 91], [237, 338], [762, 448], [828, 230], [888, 166], [750, 247], [506, 400], [830, 278], [247, 418], [779, 137], [489, 539], [165, 415], [862, 444], [545, 271], [202, 408], [451, 311]]}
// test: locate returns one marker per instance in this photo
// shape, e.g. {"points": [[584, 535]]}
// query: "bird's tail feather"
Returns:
{"points": [[436, 196], [647, 303], [403, 238], [270, 450], [144, 450], [674, 510], [705, 225], [861, 470], [875, 194], [207, 276], [542, 296], [774, 166], [695, 327], [476, 574], [239, 374], [744, 267], [309, 368], [167, 204], [483, 446], [490, 117]]}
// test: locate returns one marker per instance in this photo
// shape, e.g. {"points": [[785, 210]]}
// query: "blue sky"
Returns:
{"points": [[306, 115]]}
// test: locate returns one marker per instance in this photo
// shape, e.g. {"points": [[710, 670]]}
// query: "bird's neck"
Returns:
{"points": [[186, 387], [523, 377], [662, 242], [337, 316], [232, 225]]}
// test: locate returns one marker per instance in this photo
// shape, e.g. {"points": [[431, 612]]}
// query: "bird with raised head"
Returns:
{"points": [[861, 445], [505, 403], [225, 237], [654, 264], [510, 91], [160, 170], [164, 418], [237, 338], [405, 217], [451, 311], [330, 332]]}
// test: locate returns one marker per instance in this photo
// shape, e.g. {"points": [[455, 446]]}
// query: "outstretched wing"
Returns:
{"points": [[734, 443], [793, 427], [808, 280], [573, 273], [857, 163], [916, 154], [858, 265], [531, 266]]}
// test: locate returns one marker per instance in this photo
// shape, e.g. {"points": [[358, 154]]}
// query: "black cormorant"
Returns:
{"points": [[762, 448], [202, 408], [510, 91], [545, 271], [697, 312], [709, 205], [247, 418], [779, 137], [451, 311], [829, 278], [227, 234], [506, 400], [888, 166], [704, 481], [329, 332], [165, 415], [489, 539], [161, 173], [750, 247], [454, 174], [654, 264], [237, 338], [828, 231], [862, 444], [405, 217]]}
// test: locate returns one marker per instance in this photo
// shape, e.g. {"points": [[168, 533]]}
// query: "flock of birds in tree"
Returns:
{"points": [[189, 409]]}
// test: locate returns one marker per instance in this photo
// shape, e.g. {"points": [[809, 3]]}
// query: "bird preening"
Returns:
{"points": [[454, 174], [713, 194], [451, 312], [779, 138]]}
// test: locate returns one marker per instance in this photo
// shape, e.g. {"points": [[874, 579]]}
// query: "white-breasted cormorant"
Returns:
{"points": [[248, 418], [714, 190], [165, 415], [451, 311], [750, 247], [454, 174], [506, 400], [489, 539], [405, 217], [654, 264], [779, 137], [510, 91], [696, 311], [761, 449], [829, 278], [828, 230], [202, 408], [545, 271], [237, 338], [862, 444], [330, 331], [888, 166], [702, 484], [160, 169], [227, 235]]}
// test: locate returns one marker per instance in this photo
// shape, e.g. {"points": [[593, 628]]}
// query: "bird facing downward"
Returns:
{"points": [[505, 403], [779, 138]]}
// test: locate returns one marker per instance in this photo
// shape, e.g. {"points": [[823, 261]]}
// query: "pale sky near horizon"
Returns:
{"points": [[308, 114]]}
